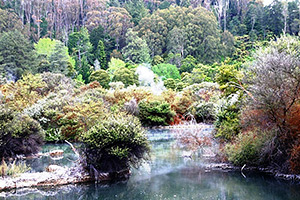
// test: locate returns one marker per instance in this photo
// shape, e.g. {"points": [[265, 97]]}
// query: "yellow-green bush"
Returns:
{"points": [[247, 147], [13, 169], [19, 134]]}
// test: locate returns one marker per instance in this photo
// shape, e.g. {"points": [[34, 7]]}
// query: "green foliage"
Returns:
{"points": [[16, 55], [80, 48], [101, 55], [166, 71], [228, 42], [165, 32], [180, 86], [228, 78], [247, 148], [136, 9], [157, 60], [170, 83], [136, 49], [115, 64], [13, 169], [45, 46], [126, 76], [155, 113], [101, 76], [203, 111], [9, 21], [197, 76], [188, 64], [78, 117], [114, 144], [60, 61], [228, 118], [24, 92], [19, 134], [98, 34]]}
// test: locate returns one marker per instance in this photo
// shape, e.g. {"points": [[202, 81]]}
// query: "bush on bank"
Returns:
{"points": [[114, 144]]}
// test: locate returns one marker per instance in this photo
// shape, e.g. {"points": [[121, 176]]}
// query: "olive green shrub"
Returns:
{"points": [[155, 113], [114, 144], [19, 134]]}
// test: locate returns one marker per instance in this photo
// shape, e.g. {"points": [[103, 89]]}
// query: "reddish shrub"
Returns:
{"points": [[295, 159]]}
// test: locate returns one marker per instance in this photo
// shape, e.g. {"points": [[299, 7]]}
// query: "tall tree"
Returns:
{"points": [[80, 49], [136, 49], [9, 21], [101, 55], [16, 55], [274, 17], [199, 25], [293, 17], [136, 9], [98, 34]]}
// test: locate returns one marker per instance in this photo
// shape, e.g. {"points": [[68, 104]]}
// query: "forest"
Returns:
{"points": [[99, 71]]}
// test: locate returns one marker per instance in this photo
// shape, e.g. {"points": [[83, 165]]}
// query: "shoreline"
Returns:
{"points": [[59, 177], [75, 175], [225, 167]]}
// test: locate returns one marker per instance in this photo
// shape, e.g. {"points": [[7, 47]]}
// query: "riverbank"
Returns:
{"points": [[225, 167], [72, 176], [57, 176]]}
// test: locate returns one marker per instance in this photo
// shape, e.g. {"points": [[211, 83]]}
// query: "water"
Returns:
{"points": [[40, 164], [170, 175]]}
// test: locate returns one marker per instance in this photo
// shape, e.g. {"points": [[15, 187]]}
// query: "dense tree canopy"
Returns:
{"points": [[166, 30], [16, 55]]}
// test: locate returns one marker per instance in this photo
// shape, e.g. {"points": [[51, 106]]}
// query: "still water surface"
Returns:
{"points": [[169, 175]]}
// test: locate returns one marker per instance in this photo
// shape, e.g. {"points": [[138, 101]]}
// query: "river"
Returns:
{"points": [[169, 175]]}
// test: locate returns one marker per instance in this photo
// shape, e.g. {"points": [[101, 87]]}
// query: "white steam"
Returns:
{"points": [[147, 78]]}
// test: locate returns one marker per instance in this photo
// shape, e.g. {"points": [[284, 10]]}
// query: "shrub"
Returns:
{"points": [[80, 115], [247, 148], [228, 118], [13, 169], [114, 144], [24, 92], [203, 111], [166, 71], [170, 83], [126, 76], [274, 79], [180, 86], [183, 102], [295, 159], [228, 78], [101, 76], [55, 82], [115, 64], [188, 64], [19, 134], [155, 113]]}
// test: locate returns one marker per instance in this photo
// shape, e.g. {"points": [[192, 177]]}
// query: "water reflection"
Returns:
{"points": [[171, 176]]}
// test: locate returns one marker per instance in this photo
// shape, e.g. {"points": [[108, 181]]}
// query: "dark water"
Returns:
{"points": [[169, 175]]}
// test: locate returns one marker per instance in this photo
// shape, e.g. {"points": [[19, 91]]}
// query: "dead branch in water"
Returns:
{"points": [[73, 148]]}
